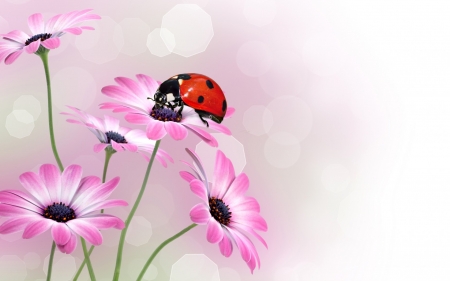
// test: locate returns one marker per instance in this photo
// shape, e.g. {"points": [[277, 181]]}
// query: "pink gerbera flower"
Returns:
{"points": [[112, 135], [162, 121], [46, 35], [229, 214], [64, 203]]}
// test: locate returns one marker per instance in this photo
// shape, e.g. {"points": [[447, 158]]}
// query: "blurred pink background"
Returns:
{"points": [[341, 124]]}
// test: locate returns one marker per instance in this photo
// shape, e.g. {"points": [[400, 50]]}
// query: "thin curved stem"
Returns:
{"points": [[130, 216], [87, 259], [43, 54], [50, 261], [160, 247], [108, 155]]}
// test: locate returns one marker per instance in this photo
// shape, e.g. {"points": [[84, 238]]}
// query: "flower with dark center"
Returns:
{"points": [[59, 212], [160, 120], [230, 216], [64, 202], [110, 135], [165, 114], [115, 138], [43, 37]]}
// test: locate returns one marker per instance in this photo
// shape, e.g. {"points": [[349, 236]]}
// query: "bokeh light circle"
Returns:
{"points": [[258, 120]]}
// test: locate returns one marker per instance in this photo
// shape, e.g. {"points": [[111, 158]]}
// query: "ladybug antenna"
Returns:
{"points": [[149, 98]]}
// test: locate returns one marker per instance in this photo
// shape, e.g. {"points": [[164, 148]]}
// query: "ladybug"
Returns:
{"points": [[198, 91]]}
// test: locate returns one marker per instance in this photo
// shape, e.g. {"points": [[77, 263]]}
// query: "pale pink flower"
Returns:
{"points": [[229, 215], [65, 203], [46, 35], [134, 96], [111, 134]]}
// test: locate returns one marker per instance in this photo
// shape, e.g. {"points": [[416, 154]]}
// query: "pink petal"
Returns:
{"points": [[220, 128], [155, 129], [223, 175], [20, 200], [111, 123], [103, 221], [33, 47], [205, 136], [100, 146], [70, 246], [61, 233], [86, 183], [50, 176], [187, 176], [96, 195], [73, 30], [138, 118], [149, 84], [199, 189], [13, 211], [130, 147], [251, 219], [243, 247], [200, 214], [102, 205], [242, 228], [214, 231], [51, 43], [175, 130], [70, 180], [226, 246], [34, 185], [37, 227], [87, 231], [17, 36], [15, 224], [230, 112], [36, 23], [237, 188], [198, 165], [12, 57], [116, 146], [243, 204]]}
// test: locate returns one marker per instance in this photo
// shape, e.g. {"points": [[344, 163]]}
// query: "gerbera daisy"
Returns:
{"points": [[46, 35], [112, 135], [64, 203], [229, 214], [134, 96]]}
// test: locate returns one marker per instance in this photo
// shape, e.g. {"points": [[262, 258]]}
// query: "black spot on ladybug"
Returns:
{"points": [[224, 105], [184, 76], [209, 84], [200, 99]]}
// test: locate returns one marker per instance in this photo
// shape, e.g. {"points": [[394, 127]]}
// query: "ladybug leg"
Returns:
{"points": [[181, 108], [203, 120]]}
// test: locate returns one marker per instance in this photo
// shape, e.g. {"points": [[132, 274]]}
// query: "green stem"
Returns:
{"points": [[50, 261], [87, 259], [163, 244], [43, 54], [108, 154], [130, 216]]}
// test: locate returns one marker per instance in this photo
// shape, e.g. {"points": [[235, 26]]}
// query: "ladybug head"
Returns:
{"points": [[159, 97]]}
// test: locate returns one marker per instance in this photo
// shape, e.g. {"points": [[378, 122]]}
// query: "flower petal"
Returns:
{"points": [[70, 180], [230, 112], [20, 200], [12, 57], [205, 136], [214, 231], [96, 195], [100, 146], [223, 175], [187, 176], [199, 189], [226, 246], [244, 204], [33, 47], [12, 211], [61, 233], [155, 129], [237, 188], [70, 246], [103, 221], [15, 224], [37, 227], [51, 43], [138, 118], [87, 231], [102, 205], [36, 23], [243, 247], [200, 214], [34, 185], [51, 177], [175, 130], [251, 219], [17, 36]]}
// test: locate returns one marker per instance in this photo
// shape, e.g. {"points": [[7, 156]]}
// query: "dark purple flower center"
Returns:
{"points": [[42, 36], [59, 212], [219, 211], [165, 114], [115, 137]]}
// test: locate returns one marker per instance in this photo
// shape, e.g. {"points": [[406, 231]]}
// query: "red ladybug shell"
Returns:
{"points": [[203, 93]]}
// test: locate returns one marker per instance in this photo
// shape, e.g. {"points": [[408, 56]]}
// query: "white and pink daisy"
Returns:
{"points": [[65, 203], [111, 135], [46, 35], [229, 215], [134, 96]]}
